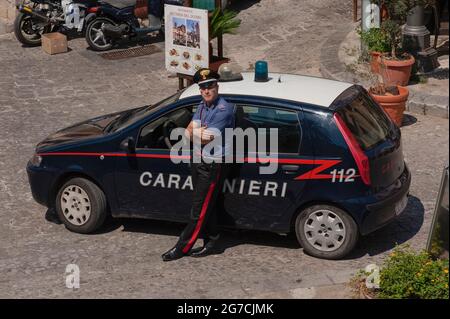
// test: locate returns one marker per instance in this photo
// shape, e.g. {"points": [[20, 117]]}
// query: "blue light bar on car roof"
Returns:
{"points": [[261, 71]]}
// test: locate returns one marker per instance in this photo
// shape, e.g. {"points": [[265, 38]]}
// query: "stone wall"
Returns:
{"points": [[7, 14]]}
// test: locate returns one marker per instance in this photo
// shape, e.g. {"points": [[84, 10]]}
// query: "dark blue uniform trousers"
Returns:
{"points": [[207, 182]]}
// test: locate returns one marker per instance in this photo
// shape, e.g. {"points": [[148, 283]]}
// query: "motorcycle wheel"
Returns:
{"points": [[24, 32], [95, 37]]}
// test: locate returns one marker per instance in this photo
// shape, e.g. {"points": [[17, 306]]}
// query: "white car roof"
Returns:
{"points": [[299, 88]]}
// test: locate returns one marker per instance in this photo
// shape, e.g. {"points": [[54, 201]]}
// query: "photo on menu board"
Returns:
{"points": [[179, 31], [193, 33]]}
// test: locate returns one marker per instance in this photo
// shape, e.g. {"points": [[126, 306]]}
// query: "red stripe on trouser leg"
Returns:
{"points": [[201, 218]]}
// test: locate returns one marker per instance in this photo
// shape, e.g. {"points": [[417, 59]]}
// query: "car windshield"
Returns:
{"points": [[134, 115]]}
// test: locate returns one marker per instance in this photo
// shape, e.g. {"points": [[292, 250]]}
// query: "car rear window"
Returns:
{"points": [[366, 120]]}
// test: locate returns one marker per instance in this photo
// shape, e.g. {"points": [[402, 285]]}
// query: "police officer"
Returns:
{"points": [[209, 122]]}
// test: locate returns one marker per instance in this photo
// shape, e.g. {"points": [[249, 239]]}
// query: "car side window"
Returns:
{"points": [[155, 134], [286, 121]]}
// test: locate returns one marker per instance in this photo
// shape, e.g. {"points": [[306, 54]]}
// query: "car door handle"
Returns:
{"points": [[290, 168]]}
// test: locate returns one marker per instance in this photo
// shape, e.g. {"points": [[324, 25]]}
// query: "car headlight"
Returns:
{"points": [[36, 160]]}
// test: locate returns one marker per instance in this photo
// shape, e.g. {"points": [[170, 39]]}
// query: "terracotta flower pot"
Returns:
{"points": [[393, 105], [396, 72], [375, 61]]}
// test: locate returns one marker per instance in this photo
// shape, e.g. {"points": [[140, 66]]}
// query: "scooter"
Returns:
{"points": [[114, 20]]}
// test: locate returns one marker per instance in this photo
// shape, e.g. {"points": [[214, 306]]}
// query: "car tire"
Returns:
{"points": [[81, 205], [326, 231]]}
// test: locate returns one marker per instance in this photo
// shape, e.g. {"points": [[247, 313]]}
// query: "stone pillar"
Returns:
{"points": [[416, 40], [8, 13]]}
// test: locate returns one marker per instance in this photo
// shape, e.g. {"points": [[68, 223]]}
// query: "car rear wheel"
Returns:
{"points": [[81, 205], [326, 231]]}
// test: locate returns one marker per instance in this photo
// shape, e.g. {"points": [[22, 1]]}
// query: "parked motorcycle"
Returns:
{"points": [[116, 20], [37, 17]]}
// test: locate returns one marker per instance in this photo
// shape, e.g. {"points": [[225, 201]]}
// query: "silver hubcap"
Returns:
{"points": [[324, 230], [97, 36], [75, 205]]}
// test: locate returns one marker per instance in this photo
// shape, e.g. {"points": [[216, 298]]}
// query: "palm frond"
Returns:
{"points": [[223, 22]]}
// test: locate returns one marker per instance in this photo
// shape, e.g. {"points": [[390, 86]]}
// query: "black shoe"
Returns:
{"points": [[172, 254], [210, 248]]}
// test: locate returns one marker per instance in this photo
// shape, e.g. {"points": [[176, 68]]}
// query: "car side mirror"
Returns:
{"points": [[128, 145]]}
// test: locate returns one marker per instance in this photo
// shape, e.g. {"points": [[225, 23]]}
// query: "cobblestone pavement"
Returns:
{"points": [[40, 94]]}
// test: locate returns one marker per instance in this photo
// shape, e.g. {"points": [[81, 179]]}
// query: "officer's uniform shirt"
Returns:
{"points": [[219, 115]]}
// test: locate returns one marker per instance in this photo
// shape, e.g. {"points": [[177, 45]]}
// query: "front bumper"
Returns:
{"points": [[385, 209], [40, 180]]}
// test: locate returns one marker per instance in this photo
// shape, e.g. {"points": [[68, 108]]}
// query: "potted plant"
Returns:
{"points": [[222, 22], [396, 65], [392, 99], [377, 43]]}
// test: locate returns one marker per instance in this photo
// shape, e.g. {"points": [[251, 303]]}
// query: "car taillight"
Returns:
{"points": [[93, 9], [358, 154]]}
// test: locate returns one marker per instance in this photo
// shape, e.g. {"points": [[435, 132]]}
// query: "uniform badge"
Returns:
{"points": [[204, 74]]}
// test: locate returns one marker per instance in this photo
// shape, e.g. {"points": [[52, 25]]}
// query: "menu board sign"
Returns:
{"points": [[187, 39]]}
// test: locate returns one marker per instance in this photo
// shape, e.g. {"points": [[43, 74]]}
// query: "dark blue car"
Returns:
{"points": [[341, 172]]}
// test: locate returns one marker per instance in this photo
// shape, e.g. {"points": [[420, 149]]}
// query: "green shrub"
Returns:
{"points": [[375, 40], [406, 274]]}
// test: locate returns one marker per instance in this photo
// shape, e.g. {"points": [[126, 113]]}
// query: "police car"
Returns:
{"points": [[340, 173]]}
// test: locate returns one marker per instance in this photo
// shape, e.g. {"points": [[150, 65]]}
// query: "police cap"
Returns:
{"points": [[204, 76]]}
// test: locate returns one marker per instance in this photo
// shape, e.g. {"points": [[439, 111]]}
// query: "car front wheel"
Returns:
{"points": [[326, 231], [81, 205]]}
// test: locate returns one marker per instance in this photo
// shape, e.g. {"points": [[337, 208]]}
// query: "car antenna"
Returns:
{"points": [[279, 79]]}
